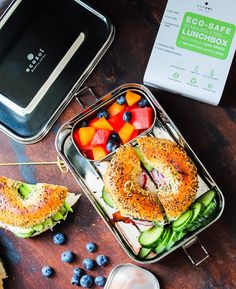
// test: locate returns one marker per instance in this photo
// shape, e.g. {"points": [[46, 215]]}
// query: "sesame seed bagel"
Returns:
{"points": [[179, 172], [120, 182], [44, 202]]}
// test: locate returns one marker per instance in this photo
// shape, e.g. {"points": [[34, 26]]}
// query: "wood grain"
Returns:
{"points": [[210, 131]]}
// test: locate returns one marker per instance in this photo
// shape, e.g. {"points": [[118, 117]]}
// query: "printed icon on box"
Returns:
{"points": [[210, 86], [212, 72], [176, 75], [193, 80]]}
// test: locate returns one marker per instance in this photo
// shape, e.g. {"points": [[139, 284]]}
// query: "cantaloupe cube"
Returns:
{"points": [[115, 108], [99, 152], [86, 135], [132, 97], [125, 132], [101, 123]]}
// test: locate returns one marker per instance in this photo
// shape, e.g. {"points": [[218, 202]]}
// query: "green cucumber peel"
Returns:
{"points": [[68, 207], [142, 160], [26, 189]]}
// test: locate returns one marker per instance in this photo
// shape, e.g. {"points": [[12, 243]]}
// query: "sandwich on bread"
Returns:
{"points": [[28, 210], [171, 170]]}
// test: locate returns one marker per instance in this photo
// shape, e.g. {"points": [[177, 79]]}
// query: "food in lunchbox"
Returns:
{"points": [[28, 210], [179, 182], [124, 183], [171, 169], [168, 177], [126, 117]]}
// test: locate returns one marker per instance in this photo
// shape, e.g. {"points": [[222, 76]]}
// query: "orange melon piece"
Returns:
{"points": [[102, 123], [86, 135], [125, 132], [115, 108], [99, 152], [132, 97]]}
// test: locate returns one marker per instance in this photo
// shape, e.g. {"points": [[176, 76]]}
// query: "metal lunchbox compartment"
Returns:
{"points": [[89, 176], [104, 104], [47, 50]]}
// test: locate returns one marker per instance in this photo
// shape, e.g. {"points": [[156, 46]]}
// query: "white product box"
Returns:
{"points": [[194, 49]]}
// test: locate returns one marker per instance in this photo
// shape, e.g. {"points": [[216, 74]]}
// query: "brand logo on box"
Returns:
{"points": [[205, 6], [35, 60]]}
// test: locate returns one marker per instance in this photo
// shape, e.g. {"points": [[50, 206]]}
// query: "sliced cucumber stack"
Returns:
{"points": [[183, 221], [161, 247], [207, 198], [107, 198], [144, 252], [151, 237]]}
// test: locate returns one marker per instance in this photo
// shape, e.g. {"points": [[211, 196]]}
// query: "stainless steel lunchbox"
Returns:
{"points": [[89, 173]]}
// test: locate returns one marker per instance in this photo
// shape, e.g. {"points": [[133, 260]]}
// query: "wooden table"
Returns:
{"points": [[210, 131]]}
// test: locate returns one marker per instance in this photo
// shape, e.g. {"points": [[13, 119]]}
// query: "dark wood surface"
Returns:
{"points": [[210, 131]]}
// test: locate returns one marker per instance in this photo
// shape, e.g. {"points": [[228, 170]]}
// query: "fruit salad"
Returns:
{"points": [[123, 120]]}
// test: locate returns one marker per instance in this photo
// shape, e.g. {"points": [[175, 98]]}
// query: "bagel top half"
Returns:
{"points": [[179, 172], [120, 182], [44, 202]]}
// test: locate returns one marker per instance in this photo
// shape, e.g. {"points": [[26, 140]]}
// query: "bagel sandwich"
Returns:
{"points": [[173, 172], [122, 183], [2, 274], [28, 210]]}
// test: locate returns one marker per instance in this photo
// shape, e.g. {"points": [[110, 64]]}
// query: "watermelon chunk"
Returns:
{"points": [[142, 118], [100, 138]]}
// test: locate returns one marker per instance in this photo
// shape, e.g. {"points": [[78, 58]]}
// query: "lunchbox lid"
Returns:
{"points": [[129, 276], [47, 50]]}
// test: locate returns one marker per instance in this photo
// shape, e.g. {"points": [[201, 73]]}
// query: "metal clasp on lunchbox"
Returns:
{"points": [[190, 243], [85, 97]]}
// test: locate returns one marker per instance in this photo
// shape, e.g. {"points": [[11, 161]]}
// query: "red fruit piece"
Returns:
{"points": [[142, 118], [100, 138]]}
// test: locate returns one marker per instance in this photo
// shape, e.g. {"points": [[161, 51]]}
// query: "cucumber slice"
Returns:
{"points": [[197, 214], [58, 216], [151, 237], [26, 189], [181, 223], [172, 240], [23, 235], [161, 247], [142, 160], [207, 198], [210, 209], [68, 207], [144, 252], [38, 228], [107, 198], [48, 223]]}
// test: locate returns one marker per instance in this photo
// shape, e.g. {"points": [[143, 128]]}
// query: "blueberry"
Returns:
{"points": [[100, 281], [112, 145], [86, 281], [59, 239], [127, 116], [115, 136], [88, 264], [143, 102], [67, 257], [91, 247], [47, 271], [121, 99], [75, 280], [102, 113], [84, 123], [78, 272], [102, 260]]}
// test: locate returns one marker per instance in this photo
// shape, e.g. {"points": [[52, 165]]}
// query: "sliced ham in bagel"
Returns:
{"points": [[178, 190], [121, 182]]}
